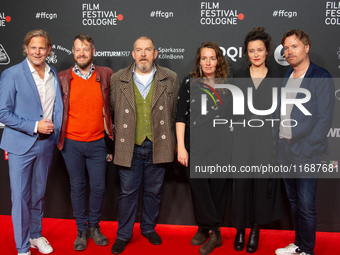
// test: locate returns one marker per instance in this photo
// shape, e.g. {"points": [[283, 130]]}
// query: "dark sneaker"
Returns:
{"points": [[153, 238], [118, 246]]}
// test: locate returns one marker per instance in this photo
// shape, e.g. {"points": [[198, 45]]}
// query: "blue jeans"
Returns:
{"points": [[142, 169], [78, 156], [301, 193]]}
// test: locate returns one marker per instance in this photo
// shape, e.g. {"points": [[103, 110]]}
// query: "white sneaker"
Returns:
{"points": [[288, 250], [41, 244], [26, 253], [303, 253]]}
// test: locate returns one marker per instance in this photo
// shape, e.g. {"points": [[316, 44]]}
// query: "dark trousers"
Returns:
{"points": [[209, 147], [152, 175], [209, 198], [78, 156]]}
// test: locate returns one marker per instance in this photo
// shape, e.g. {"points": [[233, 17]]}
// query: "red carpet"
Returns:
{"points": [[176, 240]]}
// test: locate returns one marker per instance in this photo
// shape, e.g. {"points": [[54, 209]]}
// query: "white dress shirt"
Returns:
{"points": [[46, 91]]}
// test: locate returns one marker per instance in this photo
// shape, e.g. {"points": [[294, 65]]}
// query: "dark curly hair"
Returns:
{"points": [[222, 67], [258, 33]]}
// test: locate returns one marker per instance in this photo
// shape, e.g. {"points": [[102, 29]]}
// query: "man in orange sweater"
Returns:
{"points": [[86, 118]]}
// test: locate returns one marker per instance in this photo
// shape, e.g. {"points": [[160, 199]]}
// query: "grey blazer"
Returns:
{"points": [[163, 114]]}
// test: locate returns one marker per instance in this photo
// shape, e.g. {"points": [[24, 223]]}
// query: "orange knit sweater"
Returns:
{"points": [[85, 120]]}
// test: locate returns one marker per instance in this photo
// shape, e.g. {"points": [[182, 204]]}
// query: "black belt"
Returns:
{"points": [[43, 136]]}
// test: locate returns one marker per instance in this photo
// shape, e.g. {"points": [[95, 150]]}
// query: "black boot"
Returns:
{"points": [[239, 239], [253, 238]]}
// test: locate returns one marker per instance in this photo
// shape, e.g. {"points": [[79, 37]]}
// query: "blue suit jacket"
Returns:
{"points": [[20, 108], [309, 136]]}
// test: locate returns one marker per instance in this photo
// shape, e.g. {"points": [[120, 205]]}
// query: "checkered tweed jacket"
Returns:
{"points": [[163, 114]]}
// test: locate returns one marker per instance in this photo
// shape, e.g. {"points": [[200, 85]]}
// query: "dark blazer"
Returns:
{"points": [[20, 108], [163, 113], [309, 136]]}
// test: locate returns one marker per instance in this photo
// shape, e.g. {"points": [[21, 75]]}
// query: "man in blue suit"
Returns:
{"points": [[31, 109], [302, 136]]}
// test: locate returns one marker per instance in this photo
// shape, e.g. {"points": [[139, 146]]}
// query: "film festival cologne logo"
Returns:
{"points": [[212, 13], [332, 13], [93, 15], [4, 19], [4, 58]]}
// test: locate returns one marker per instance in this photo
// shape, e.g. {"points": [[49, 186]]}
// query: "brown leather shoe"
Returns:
{"points": [[200, 237], [215, 240]]}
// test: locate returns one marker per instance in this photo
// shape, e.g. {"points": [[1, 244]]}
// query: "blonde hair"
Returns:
{"points": [[34, 33]]}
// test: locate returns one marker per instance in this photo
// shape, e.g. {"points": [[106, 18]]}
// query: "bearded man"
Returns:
{"points": [[143, 100], [86, 118]]}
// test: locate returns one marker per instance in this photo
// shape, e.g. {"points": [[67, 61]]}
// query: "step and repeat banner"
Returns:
{"points": [[178, 29]]}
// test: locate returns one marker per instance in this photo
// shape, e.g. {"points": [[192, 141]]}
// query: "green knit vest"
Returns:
{"points": [[143, 115]]}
